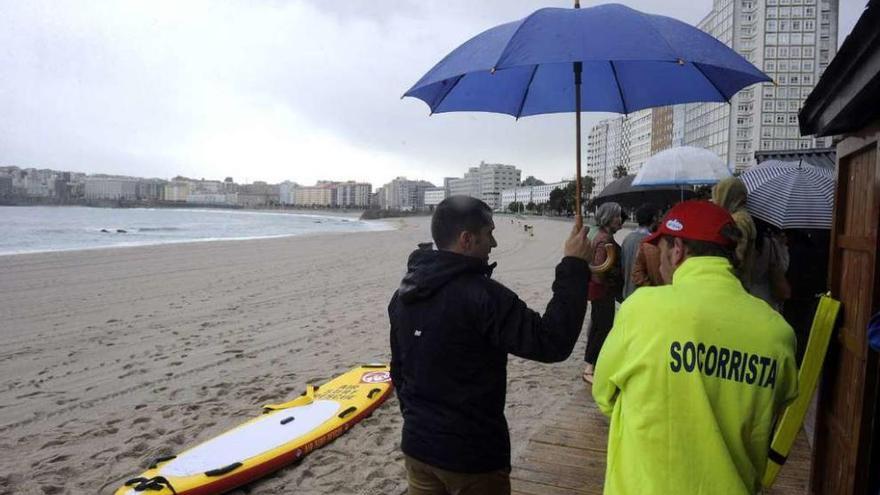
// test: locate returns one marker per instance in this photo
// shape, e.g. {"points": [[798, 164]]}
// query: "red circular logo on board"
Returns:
{"points": [[376, 377]]}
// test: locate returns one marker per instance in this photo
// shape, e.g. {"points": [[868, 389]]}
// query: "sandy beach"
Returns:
{"points": [[110, 358]]}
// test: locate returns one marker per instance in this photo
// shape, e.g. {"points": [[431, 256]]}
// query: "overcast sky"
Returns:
{"points": [[272, 90]]}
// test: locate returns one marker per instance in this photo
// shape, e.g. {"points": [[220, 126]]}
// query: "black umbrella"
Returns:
{"points": [[622, 191]]}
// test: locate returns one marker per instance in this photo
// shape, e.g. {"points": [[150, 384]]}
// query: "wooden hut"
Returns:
{"points": [[846, 104]]}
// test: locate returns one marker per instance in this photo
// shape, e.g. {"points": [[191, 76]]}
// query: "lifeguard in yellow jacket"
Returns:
{"points": [[694, 373]]}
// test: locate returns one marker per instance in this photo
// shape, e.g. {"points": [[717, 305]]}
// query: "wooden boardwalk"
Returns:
{"points": [[566, 455]]}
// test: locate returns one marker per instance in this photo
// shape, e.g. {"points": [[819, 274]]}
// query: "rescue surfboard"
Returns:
{"points": [[283, 434], [808, 377]]}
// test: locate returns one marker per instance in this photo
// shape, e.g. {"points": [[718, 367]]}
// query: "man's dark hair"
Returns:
{"points": [[704, 248], [646, 214], [456, 214]]}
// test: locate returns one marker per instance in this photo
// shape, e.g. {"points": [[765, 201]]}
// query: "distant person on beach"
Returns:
{"points": [[646, 216], [606, 282], [695, 373], [452, 328], [731, 194]]}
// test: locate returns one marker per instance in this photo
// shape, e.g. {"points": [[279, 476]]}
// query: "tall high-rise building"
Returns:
{"points": [[792, 41]]}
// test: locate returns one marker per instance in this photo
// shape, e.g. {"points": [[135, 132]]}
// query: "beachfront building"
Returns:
{"points": [[434, 196], [5, 186], [287, 192], [352, 194], [258, 194], [151, 189], [404, 194], [320, 194], [792, 41], [626, 141], [112, 188], [485, 182], [530, 194], [177, 190]]}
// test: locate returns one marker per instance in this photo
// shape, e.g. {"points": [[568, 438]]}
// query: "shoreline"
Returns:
{"points": [[375, 226]]}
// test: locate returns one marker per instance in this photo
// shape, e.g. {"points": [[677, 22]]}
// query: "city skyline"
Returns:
{"points": [[304, 89]]}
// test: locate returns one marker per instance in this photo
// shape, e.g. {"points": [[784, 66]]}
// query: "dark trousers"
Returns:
{"points": [[601, 321], [424, 479]]}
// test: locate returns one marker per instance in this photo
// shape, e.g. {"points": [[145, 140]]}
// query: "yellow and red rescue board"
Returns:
{"points": [[283, 434]]}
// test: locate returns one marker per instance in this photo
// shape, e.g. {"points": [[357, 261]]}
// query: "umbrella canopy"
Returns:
{"points": [[790, 195], [622, 191], [605, 58], [684, 165], [630, 61]]}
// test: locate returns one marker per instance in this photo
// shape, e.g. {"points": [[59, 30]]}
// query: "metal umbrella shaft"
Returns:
{"points": [[578, 70]]}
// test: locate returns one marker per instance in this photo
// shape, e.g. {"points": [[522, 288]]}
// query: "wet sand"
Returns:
{"points": [[110, 358]]}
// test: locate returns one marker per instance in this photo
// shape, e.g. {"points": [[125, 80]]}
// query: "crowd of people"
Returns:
{"points": [[693, 369]]}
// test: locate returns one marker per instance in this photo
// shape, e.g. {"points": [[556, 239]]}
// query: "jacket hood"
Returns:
{"points": [[429, 270]]}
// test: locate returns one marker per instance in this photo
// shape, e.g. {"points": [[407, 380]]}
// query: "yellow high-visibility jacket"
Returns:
{"points": [[693, 375]]}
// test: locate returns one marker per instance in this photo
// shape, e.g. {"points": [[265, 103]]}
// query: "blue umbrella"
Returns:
{"points": [[608, 58]]}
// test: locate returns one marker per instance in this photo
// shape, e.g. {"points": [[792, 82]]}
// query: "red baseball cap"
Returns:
{"points": [[695, 220]]}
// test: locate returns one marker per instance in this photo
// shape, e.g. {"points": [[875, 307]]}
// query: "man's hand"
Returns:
{"points": [[577, 244]]}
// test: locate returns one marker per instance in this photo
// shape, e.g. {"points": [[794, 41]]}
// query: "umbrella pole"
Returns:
{"points": [[578, 68]]}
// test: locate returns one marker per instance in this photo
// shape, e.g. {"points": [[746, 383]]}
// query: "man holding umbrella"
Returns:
{"points": [[452, 328]]}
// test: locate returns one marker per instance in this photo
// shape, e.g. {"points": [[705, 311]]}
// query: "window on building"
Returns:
{"points": [[808, 65], [767, 106], [770, 52], [809, 52], [794, 79], [767, 118], [793, 105], [792, 118], [783, 52], [768, 92], [794, 92], [785, 12], [809, 11], [771, 25], [784, 39], [783, 65], [805, 92], [797, 12], [770, 65], [782, 79], [795, 52], [809, 38], [770, 39], [809, 25], [772, 13], [807, 79], [823, 55], [780, 119]]}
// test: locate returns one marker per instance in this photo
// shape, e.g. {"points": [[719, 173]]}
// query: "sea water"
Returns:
{"points": [[31, 229]]}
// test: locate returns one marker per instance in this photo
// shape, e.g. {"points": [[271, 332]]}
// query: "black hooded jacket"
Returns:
{"points": [[452, 327]]}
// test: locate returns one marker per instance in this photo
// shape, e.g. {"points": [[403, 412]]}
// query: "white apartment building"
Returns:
{"points": [[404, 194], [434, 196], [486, 182], [529, 194], [353, 194], [114, 188], [792, 41], [177, 190], [637, 135]]}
